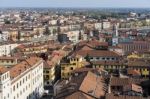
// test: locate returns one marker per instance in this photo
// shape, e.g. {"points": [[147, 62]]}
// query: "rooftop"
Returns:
{"points": [[3, 69]]}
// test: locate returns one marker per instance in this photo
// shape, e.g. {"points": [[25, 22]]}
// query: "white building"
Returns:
{"points": [[23, 81], [74, 35], [4, 36], [106, 24], [2, 21], [98, 26], [6, 49], [53, 22]]}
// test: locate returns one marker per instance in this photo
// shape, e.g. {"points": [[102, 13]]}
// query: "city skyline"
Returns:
{"points": [[76, 3]]}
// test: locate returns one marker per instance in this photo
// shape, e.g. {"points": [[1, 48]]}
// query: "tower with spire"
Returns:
{"points": [[115, 37]]}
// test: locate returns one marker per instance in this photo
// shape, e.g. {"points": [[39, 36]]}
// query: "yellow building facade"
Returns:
{"points": [[68, 67]]}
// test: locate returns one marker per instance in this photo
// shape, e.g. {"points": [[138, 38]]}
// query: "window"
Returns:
{"points": [[48, 82], [20, 83], [14, 88], [113, 58], [47, 76], [47, 71], [26, 78], [23, 80], [17, 95], [5, 76], [77, 59], [74, 63], [97, 57], [12, 61], [71, 68], [17, 85], [108, 58]]}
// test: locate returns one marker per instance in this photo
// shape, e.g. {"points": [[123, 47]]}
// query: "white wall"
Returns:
{"points": [[27, 84], [7, 48]]}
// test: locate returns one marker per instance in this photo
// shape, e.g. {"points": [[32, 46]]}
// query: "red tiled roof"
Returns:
{"points": [[92, 43], [133, 72], [23, 66], [112, 96], [79, 95], [115, 81], [3, 69], [97, 53]]}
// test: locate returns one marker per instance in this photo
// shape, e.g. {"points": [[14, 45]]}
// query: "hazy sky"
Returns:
{"points": [[75, 3]]}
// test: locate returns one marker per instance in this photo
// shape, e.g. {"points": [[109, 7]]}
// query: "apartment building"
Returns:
{"points": [[135, 46], [73, 35], [73, 63], [4, 36], [10, 61], [98, 55], [14, 35], [6, 49], [50, 67], [22, 81]]}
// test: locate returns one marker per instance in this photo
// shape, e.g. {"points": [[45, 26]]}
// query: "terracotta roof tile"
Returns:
{"points": [[23, 66], [79, 95], [92, 43], [96, 53], [115, 81], [3, 69], [136, 88], [133, 72], [112, 96], [95, 86], [79, 83]]}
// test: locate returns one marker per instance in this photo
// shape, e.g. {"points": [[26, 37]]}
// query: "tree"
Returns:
{"points": [[96, 33], [19, 36], [0, 31], [87, 58], [103, 17], [54, 31], [7, 21], [44, 56], [80, 35], [37, 32], [47, 31]]}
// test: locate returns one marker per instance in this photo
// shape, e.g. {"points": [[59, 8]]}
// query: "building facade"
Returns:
{"points": [[5, 50], [23, 81]]}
